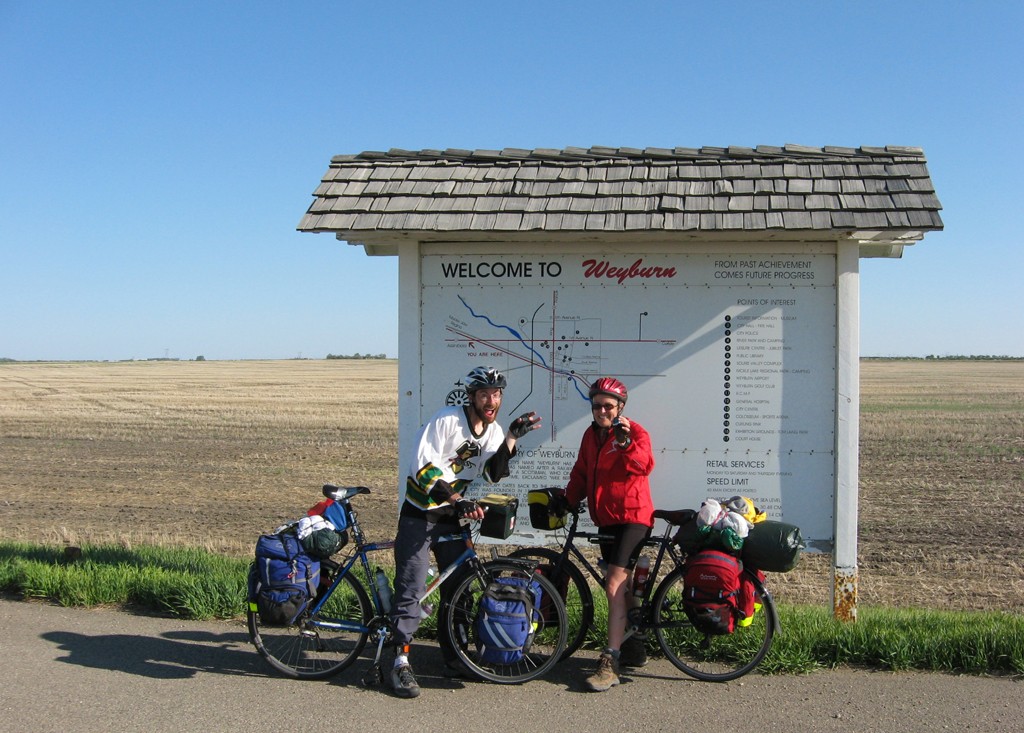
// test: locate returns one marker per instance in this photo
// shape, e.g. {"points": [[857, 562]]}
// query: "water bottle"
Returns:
{"points": [[602, 566], [383, 590], [426, 608], [640, 575]]}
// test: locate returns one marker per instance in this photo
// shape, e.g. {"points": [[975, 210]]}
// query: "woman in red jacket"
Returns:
{"points": [[611, 473]]}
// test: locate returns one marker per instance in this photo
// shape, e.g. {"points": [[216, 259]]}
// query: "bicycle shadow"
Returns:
{"points": [[171, 655], [428, 663], [184, 654]]}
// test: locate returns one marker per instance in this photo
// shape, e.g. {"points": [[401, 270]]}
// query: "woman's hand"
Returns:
{"points": [[621, 427]]}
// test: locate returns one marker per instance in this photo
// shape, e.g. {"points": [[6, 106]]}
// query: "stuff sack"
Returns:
{"points": [[322, 543], [505, 620], [773, 546], [333, 511], [711, 591], [319, 537], [720, 527], [282, 579], [689, 537]]}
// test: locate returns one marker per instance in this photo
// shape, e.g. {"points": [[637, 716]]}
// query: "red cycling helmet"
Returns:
{"points": [[609, 386]]}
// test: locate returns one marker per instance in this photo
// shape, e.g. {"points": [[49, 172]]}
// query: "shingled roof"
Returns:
{"points": [[881, 197]]}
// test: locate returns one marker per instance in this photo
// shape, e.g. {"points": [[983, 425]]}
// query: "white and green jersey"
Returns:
{"points": [[447, 449]]}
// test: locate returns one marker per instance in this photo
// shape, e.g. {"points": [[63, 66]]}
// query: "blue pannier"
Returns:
{"points": [[507, 619], [282, 579]]}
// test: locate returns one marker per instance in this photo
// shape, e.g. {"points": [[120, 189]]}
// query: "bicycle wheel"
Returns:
{"points": [[315, 647], [457, 619], [574, 590], [708, 657]]}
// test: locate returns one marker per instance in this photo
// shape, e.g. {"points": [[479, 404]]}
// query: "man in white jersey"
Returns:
{"points": [[457, 445]]}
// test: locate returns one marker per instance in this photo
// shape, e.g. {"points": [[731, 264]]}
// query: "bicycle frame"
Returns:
{"points": [[639, 617], [663, 543], [660, 608], [330, 633], [361, 555], [665, 546]]}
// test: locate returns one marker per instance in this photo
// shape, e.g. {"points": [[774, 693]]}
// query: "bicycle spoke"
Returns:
{"points": [[316, 647], [574, 590], [458, 621]]}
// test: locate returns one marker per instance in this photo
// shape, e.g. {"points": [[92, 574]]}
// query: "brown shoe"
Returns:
{"points": [[606, 676]]}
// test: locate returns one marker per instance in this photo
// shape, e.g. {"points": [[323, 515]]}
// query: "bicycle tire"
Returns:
{"points": [[456, 619], [573, 588], [309, 650], [708, 657]]}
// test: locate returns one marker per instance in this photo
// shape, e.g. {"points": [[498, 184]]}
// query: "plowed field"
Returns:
{"points": [[212, 453]]}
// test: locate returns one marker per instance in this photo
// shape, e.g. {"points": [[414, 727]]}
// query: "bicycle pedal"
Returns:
{"points": [[374, 677]]}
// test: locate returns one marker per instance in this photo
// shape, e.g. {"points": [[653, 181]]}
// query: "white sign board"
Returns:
{"points": [[729, 359]]}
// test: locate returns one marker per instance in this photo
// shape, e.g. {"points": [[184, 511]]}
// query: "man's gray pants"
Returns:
{"points": [[415, 539]]}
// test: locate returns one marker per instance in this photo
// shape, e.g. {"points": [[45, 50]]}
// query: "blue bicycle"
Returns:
{"points": [[334, 630]]}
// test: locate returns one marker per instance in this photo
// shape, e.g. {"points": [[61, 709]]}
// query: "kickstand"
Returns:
{"points": [[375, 675]]}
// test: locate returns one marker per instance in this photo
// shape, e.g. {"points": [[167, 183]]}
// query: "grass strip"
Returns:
{"points": [[195, 584]]}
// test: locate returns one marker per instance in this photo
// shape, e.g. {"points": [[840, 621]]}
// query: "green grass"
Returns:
{"points": [[810, 639], [899, 639], [183, 582], [195, 584]]}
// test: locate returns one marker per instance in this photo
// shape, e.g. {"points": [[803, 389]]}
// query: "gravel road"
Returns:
{"points": [[105, 670]]}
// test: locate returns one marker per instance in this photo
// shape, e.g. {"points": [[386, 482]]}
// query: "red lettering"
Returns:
{"points": [[595, 269]]}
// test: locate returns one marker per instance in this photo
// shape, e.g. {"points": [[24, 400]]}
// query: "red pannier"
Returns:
{"points": [[712, 590]]}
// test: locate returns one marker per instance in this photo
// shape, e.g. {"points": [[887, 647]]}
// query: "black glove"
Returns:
{"points": [[621, 436], [521, 425], [465, 507]]}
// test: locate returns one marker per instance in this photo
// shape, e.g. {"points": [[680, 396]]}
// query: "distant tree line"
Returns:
{"points": [[357, 355]]}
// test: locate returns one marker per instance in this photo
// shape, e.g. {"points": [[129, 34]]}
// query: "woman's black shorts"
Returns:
{"points": [[624, 543]]}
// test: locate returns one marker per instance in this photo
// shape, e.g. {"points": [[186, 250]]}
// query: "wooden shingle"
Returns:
{"points": [[884, 194]]}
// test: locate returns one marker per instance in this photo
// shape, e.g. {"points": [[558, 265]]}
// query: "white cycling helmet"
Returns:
{"points": [[483, 377]]}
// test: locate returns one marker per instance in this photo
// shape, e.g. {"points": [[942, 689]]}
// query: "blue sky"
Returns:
{"points": [[155, 158]]}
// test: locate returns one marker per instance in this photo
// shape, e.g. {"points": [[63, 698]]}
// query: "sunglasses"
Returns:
{"points": [[603, 406]]}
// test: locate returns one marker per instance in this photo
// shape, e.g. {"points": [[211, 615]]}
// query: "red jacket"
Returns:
{"points": [[613, 480]]}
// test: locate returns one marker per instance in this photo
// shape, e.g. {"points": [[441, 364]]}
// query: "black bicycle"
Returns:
{"points": [[704, 656], [332, 632]]}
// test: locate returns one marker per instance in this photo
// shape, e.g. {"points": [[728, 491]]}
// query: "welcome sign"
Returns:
{"points": [[730, 362]]}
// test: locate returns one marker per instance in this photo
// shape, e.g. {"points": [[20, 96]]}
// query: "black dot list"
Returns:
{"points": [[727, 392]]}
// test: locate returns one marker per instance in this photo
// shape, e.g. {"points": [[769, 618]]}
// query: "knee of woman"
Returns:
{"points": [[615, 581]]}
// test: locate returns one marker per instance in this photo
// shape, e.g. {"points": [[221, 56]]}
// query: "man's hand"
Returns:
{"points": [[523, 424], [468, 509]]}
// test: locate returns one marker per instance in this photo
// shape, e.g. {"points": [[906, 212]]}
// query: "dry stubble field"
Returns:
{"points": [[212, 453]]}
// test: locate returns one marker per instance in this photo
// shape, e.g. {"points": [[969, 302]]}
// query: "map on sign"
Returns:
{"points": [[730, 365]]}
